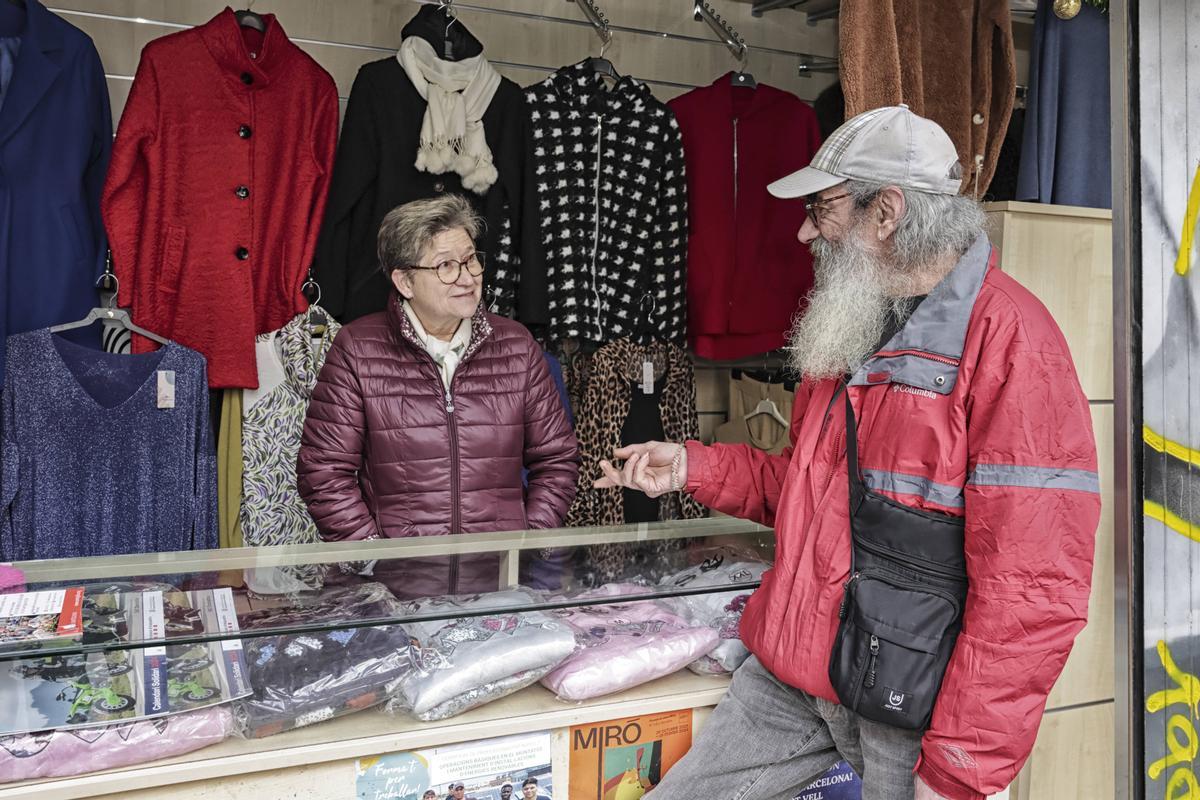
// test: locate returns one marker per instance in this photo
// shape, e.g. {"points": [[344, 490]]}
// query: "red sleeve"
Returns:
{"points": [[324, 148], [741, 480], [127, 205], [1032, 507]]}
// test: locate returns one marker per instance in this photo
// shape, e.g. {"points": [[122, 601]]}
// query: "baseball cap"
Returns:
{"points": [[889, 145]]}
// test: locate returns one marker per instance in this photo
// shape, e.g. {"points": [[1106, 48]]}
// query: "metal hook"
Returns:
{"points": [[310, 282], [116, 286]]}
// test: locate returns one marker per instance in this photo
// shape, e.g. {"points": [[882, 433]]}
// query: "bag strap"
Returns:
{"points": [[853, 469]]}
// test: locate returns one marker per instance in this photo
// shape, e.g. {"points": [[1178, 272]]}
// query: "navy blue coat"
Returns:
{"points": [[55, 140]]}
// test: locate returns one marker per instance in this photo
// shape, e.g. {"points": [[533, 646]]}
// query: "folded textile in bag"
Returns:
{"points": [[625, 645], [57, 754], [471, 660], [720, 611], [303, 678], [473, 698]]}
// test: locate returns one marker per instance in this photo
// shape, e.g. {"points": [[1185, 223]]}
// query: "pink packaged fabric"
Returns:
{"points": [[58, 754], [625, 645]]}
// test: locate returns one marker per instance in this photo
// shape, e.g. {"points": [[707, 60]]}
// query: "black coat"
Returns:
{"points": [[375, 172]]}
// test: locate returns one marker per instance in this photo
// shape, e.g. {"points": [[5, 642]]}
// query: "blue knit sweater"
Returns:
{"points": [[92, 465]]}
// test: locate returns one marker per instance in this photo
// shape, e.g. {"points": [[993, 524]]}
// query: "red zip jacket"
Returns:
{"points": [[973, 409], [746, 271]]}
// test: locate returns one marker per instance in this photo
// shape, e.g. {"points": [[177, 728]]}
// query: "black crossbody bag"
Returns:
{"points": [[903, 605]]}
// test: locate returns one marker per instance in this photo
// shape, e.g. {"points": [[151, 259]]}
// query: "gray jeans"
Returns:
{"points": [[768, 741]]}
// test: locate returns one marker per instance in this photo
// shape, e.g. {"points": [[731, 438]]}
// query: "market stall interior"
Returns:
{"points": [[176, 293]]}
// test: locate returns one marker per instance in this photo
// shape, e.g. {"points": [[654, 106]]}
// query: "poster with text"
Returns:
{"points": [[839, 783], [484, 770], [624, 759]]}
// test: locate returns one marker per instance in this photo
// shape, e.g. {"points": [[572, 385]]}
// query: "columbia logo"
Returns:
{"points": [[905, 389]]}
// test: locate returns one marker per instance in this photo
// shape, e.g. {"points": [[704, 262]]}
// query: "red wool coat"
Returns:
{"points": [[217, 186], [746, 271]]}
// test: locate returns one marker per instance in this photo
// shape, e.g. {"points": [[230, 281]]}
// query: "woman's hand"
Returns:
{"points": [[653, 467]]}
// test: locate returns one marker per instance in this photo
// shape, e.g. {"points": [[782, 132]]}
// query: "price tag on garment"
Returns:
{"points": [[166, 388], [648, 376]]}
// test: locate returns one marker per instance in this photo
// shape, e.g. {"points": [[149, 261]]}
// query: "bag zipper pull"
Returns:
{"points": [[870, 681], [846, 595]]}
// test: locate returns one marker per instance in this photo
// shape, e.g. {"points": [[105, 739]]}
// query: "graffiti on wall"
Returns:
{"points": [[1170, 252]]}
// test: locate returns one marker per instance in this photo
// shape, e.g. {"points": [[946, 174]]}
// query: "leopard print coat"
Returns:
{"points": [[602, 385]]}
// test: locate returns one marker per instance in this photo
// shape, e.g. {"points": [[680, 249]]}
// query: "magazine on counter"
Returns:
{"points": [[40, 619], [81, 690]]}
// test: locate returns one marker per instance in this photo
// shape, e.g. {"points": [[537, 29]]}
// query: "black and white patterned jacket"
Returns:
{"points": [[611, 201]]}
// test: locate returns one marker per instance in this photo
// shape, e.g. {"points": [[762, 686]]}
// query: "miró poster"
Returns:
{"points": [[624, 759]]}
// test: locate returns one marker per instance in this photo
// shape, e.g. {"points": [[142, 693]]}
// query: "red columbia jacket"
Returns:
{"points": [[217, 186], [972, 409], [385, 453]]}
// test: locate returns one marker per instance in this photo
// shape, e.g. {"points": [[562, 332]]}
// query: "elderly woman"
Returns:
{"points": [[425, 414]]}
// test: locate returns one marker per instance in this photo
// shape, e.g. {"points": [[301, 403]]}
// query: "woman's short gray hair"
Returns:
{"points": [[408, 229], [933, 224]]}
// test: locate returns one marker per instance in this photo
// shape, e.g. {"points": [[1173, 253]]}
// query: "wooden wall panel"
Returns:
{"points": [[1073, 757]]}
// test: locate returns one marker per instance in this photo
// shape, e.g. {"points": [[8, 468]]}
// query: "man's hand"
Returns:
{"points": [[647, 468], [923, 792]]}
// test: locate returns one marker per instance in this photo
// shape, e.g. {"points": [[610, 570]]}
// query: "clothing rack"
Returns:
{"points": [[596, 17], [808, 62], [702, 11]]}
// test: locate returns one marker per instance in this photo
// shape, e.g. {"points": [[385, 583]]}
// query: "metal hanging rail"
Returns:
{"points": [[701, 10], [596, 17], [816, 10]]}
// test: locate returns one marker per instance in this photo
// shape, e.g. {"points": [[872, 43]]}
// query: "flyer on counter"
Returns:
{"points": [[624, 759], [481, 768], [82, 690]]}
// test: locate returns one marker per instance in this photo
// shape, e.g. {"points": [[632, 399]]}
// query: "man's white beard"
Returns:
{"points": [[848, 308]]}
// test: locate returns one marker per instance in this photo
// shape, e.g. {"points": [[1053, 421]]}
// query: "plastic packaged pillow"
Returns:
{"points": [[721, 611], [625, 645], [57, 754], [304, 678], [464, 662]]}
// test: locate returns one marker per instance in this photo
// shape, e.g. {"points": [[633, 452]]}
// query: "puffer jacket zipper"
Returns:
{"points": [[455, 479]]}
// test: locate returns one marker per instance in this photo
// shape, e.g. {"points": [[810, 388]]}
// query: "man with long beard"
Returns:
{"points": [[940, 421]]}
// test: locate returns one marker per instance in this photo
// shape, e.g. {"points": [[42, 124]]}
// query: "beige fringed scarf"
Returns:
{"points": [[457, 93]]}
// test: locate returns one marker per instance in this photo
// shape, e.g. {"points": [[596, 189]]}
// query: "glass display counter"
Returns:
{"points": [[266, 667]]}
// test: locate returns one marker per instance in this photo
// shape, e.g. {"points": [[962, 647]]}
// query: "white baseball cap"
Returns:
{"points": [[890, 145]]}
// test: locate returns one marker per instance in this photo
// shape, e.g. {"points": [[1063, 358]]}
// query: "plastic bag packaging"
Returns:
{"points": [[303, 678], [57, 754], [720, 611], [625, 645], [464, 662], [473, 698]]}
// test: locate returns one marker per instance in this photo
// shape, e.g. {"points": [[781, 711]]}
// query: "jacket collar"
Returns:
{"points": [[926, 352], [581, 87], [402, 326], [302, 354], [226, 40], [37, 67]]}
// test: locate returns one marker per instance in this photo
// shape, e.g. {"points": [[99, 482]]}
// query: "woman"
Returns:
{"points": [[425, 414]]}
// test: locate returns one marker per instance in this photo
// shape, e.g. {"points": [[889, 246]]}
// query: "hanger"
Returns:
{"points": [[643, 331], [317, 322], [109, 313], [450, 39], [250, 19], [767, 406], [742, 77], [602, 65]]}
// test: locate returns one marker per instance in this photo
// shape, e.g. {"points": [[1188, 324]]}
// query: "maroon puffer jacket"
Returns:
{"points": [[388, 452]]}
